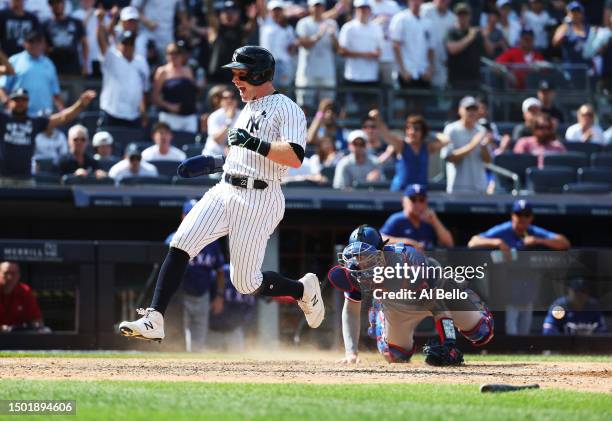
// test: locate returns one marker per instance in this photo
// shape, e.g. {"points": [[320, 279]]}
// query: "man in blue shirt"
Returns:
{"points": [[575, 314], [35, 73], [519, 234], [203, 272], [416, 225]]}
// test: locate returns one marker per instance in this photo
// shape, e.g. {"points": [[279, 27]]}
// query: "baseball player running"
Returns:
{"points": [[247, 204], [393, 321]]}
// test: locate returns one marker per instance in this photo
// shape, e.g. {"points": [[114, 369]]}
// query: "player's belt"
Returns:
{"points": [[245, 182]]}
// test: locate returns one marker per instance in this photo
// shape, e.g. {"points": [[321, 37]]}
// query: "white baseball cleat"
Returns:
{"points": [[312, 301], [150, 326]]}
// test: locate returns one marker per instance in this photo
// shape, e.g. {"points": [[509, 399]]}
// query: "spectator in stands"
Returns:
{"points": [[128, 19], [65, 36], [484, 119], [132, 165], [369, 124], [325, 123], [86, 14], [358, 166], [225, 34], [417, 224], [174, 90], [278, 37], [536, 17], [412, 48], [493, 35], [382, 13], [546, 95], [521, 59], [360, 42], [532, 108], [102, 143], [316, 66], [18, 304], [509, 26], [219, 122], [125, 79], [608, 136], [18, 131], [544, 140], [465, 46], [227, 326], [467, 151], [15, 24], [577, 313], [570, 36], [519, 234], [586, 129], [51, 144], [441, 20], [411, 151], [603, 46], [78, 161], [158, 17], [163, 149], [203, 272], [325, 156], [35, 73]]}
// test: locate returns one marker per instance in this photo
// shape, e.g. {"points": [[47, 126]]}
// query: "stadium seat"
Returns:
{"points": [[389, 171], [328, 172], [549, 180], [193, 149], [47, 178], [588, 188], [89, 119], [72, 180], [167, 168], [574, 160], [181, 138], [124, 135], [305, 183], [587, 148], [516, 163], [46, 165], [106, 164], [373, 185], [132, 181], [595, 175], [601, 159], [197, 181]]}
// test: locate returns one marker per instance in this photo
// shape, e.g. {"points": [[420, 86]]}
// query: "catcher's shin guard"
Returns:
{"points": [[397, 354], [482, 333]]}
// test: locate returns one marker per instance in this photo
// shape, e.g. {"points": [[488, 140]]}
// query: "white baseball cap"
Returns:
{"points": [[362, 3], [502, 3], [530, 102], [101, 139], [315, 2], [129, 13], [357, 134], [275, 4]]}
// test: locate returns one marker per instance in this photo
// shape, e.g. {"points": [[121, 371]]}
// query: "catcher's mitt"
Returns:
{"points": [[438, 354]]}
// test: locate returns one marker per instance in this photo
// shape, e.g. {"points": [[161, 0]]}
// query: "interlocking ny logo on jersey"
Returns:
{"points": [[255, 120]]}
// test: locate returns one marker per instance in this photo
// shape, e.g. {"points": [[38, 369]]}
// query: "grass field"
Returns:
{"points": [[177, 400]]}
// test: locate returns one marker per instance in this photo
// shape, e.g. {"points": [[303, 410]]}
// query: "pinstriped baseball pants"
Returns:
{"points": [[247, 216]]}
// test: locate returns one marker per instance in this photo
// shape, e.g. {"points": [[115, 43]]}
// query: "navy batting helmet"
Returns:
{"points": [[258, 61], [367, 234]]}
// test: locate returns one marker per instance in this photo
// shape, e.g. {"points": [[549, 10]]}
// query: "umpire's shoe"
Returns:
{"points": [[312, 301], [150, 326]]}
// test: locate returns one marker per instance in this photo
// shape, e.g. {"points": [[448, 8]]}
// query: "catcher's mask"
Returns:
{"points": [[361, 259]]}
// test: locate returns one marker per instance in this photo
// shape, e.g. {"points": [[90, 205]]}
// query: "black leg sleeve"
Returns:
{"points": [[276, 285], [170, 278]]}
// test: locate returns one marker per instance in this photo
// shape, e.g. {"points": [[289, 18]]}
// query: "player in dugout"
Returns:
{"points": [[19, 308]]}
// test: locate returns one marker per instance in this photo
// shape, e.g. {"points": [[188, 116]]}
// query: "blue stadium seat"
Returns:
{"points": [[389, 171], [587, 148], [193, 149], [588, 188], [549, 180], [328, 172], [124, 135], [167, 168], [574, 160], [515, 162], [106, 164], [595, 175], [133, 181], [373, 185], [181, 138], [601, 159], [197, 181], [46, 165], [72, 180], [47, 178]]}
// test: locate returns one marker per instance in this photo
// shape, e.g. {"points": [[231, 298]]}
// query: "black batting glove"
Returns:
{"points": [[242, 138]]}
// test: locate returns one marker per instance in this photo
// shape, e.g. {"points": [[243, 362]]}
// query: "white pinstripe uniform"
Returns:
{"points": [[247, 215]]}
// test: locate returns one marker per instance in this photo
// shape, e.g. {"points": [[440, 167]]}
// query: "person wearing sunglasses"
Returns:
{"points": [[78, 161], [416, 224], [586, 128], [544, 140]]}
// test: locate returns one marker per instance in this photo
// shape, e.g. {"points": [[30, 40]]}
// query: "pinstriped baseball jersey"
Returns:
{"points": [[273, 118]]}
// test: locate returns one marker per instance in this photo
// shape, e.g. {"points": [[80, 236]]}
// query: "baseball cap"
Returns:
{"points": [[129, 13], [275, 4], [522, 206], [527, 31], [362, 3], [545, 86], [126, 36], [132, 150], [574, 5], [531, 102], [467, 102], [357, 134], [188, 205], [579, 285], [102, 138], [33, 36], [502, 3], [315, 2], [228, 5], [462, 8], [415, 189], [19, 93]]}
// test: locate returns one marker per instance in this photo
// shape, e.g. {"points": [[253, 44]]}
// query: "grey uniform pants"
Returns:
{"points": [[196, 312]]}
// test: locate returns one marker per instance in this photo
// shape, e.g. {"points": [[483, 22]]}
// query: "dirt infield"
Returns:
{"points": [[311, 368]]}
